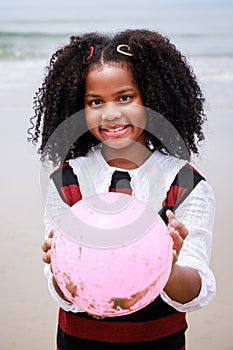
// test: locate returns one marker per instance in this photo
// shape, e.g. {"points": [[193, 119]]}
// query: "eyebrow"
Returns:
{"points": [[123, 91], [92, 95]]}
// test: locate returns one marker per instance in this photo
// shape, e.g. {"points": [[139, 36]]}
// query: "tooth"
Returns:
{"points": [[117, 129]]}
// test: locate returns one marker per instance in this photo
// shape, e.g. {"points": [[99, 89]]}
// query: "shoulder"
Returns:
{"points": [[176, 166], [64, 175], [167, 162], [66, 183], [167, 166], [92, 158], [205, 193], [198, 209]]}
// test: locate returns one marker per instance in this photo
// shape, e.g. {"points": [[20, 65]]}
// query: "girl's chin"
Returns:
{"points": [[117, 143]]}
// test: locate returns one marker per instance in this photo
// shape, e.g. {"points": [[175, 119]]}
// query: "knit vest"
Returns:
{"points": [[157, 326]]}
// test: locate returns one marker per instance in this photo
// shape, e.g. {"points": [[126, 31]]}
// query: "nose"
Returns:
{"points": [[110, 112]]}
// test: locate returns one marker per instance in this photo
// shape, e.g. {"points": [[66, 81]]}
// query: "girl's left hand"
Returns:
{"points": [[178, 232]]}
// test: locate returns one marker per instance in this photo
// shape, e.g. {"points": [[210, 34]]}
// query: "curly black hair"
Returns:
{"points": [[168, 87]]}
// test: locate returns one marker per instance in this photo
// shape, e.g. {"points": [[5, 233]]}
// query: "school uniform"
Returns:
{"points": [[162, 182]]}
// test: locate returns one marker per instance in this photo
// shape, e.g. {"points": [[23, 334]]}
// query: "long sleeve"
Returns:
{"points": [[197, 213], [54, 210]]}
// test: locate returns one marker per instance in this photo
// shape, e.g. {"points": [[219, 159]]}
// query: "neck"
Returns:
{"points": [[125, 159]]}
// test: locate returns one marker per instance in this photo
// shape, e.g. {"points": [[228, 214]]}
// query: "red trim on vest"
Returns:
{"points": [[121, 331], [175, 193], [72, 194], [188, 165]]}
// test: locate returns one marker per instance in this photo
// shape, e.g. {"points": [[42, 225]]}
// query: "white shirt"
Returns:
{"points": [[150, 183]]}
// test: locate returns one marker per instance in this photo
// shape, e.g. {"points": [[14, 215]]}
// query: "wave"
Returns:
{"points": [[21, 45], [30, 35]]}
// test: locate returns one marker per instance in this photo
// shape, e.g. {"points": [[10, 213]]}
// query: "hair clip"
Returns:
{"points": [[91, 48], [127, 52]]}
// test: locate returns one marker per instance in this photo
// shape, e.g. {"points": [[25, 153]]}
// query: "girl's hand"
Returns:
{"points": [[46, 247], [184, 282], [178, 232]]}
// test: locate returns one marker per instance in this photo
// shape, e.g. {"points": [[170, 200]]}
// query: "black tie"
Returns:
{"points": [[120, 182]]}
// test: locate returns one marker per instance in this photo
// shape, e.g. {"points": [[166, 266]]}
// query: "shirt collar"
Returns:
{"points": [[149, 182]]}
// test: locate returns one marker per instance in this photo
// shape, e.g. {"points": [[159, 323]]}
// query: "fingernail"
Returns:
{"points": [[170, 229], [174, 222]]}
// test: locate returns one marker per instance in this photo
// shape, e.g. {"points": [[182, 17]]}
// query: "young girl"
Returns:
{"points": [[125, 113]]}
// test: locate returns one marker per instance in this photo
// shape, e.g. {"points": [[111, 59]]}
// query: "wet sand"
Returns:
{"points": [[28, 314]]}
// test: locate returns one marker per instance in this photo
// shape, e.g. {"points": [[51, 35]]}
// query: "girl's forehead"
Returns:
{"points": [[109, 76]]}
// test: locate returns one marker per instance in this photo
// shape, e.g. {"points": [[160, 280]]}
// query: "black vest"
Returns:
{"points": [[158, 326]]}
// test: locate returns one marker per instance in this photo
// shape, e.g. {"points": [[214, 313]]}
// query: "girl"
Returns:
{"points": [[125, 113]]}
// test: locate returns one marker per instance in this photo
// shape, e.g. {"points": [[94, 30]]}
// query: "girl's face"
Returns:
{"points": [[114, 108]]}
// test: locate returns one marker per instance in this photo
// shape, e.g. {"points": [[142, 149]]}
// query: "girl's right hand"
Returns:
{"points": [[46, 247]]}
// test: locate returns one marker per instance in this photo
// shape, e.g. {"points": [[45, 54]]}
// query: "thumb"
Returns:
{"points": [[170, 215]]}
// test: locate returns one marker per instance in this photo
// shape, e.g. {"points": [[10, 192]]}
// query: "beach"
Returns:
{"points": [[28, 313]]}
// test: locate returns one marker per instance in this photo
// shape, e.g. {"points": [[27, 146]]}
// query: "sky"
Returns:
{"points": [[22, 9], [130, 4], [75, 3]]}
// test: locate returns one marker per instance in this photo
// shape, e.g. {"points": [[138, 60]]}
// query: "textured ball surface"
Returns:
{"points": [[113, 255]]}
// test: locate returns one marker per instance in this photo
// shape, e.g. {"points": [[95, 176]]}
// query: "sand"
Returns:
{"points": [[28, 313]]}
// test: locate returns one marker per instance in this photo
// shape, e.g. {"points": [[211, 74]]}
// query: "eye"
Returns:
{"points": [[95, 103], [125, 98]]}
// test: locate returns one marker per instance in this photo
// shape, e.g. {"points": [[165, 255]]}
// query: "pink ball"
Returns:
{"points": [[112, 254]]}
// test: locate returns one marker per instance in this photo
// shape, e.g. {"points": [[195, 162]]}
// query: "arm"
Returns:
{"points": [[184, 283], [191, 284], [46, 248], [54, 210]]}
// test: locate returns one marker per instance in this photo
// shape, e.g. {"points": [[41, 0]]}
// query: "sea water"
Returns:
{"points": [[201, 30]]}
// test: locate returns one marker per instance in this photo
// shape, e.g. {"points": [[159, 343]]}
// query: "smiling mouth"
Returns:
{"points": [[117, 129]]}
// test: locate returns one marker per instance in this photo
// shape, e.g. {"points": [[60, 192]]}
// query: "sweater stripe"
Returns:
{"points": [[172, 342], [121, 331]]}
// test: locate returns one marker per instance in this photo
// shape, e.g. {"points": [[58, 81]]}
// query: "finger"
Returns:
{"points": [[47, 258], [51, 233], [177, 241], [175, 257], [46, 245], [170, 215], [180, 227]]}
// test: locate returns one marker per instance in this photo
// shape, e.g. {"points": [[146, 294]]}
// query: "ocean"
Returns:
{"points": [[201, 30], [30, 33]]}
